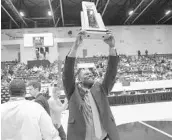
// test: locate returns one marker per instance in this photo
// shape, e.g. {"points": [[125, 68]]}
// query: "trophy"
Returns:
{"points": [[92, 22]]}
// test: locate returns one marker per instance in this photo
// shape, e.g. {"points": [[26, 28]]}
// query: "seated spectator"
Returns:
{"points": [[146, 52]]}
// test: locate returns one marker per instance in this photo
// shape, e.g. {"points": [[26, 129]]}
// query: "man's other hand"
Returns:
{"points": [[110, 40], [79, 39]]}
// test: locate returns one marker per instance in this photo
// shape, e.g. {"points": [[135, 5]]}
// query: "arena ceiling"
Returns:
{"points": [[66, 13]]}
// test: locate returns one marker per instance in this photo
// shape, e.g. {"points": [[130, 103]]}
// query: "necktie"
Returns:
{"points": [[96, 119]]}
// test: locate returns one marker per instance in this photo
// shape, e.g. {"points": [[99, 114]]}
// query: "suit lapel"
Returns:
{"points": [[78, 98]]}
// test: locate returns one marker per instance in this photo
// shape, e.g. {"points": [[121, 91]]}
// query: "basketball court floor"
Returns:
{"points": [[152, 121]]}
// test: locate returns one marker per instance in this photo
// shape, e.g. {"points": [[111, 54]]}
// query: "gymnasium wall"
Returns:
{"points": [[129, 39], [9, 52], [28, 53], [156, 39]]}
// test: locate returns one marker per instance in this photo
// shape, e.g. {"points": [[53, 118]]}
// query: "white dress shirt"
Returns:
{"points": [[26, 120]]}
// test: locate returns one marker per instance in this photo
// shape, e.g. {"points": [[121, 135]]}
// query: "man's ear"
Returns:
{"points": [[79, 74], [79, 78]]}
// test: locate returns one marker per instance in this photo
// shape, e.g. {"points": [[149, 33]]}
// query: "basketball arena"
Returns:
{"points": [[38, 37]]}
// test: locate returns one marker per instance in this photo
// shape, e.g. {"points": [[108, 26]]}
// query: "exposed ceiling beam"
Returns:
{"points": [[143, 11], [57, 22], [62, 15], [161, 19], [29, 19], [97, 2], [167, 19], [134, 11], [56, 9], [49, 1], [10, 16], [13, 8], [105, 7], [40, 18]]}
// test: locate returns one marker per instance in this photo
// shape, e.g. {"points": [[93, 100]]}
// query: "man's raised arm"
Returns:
{"points": [[68, 71], [111, 71]]}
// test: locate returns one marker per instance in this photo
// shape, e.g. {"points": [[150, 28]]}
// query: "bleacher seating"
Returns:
{"points": [[5, 96], [130, 69]]}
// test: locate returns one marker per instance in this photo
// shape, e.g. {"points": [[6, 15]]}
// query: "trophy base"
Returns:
{"points": [[95, 34]]}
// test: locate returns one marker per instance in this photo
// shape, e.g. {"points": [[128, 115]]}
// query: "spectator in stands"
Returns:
{"points": [[25, 120], [146, 52], [34, 89], [37, 53], [56, 109], [90, 117], [139, 53]]}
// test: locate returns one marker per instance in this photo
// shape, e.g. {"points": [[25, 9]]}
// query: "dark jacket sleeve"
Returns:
{"points": [[68, 76], [44, 103], [111, 71]]}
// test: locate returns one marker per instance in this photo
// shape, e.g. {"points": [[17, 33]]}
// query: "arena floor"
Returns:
{"points": [[151, 121], [149, 130]]}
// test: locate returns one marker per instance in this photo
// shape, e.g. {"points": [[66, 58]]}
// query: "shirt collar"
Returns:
{"points": [[17, 98], [38, 95]]}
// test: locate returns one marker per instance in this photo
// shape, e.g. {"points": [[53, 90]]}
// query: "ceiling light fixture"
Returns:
{"points": [[49, 13], [22, 14], [168, 12], [130, 12]]}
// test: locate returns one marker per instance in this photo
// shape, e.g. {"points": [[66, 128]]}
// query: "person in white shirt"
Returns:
{"points": [[23, 119], [56, 109]]}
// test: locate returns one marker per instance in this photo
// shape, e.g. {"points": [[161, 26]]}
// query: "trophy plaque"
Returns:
{"points": [[92, 22]]}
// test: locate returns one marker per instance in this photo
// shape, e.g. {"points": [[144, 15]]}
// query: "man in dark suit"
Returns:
{"points": [[90, 117], [34, 90]]}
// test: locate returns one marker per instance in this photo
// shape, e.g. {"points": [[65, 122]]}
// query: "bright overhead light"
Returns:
{"points": [[49, 13], [130, 12], [168, 12], [22, 14]]}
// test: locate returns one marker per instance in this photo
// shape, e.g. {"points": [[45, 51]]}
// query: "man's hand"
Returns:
{"points": [[110, 40], [79, 39], [77, 43]]}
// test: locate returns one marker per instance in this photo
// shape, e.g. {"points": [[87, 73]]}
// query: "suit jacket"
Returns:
{"points": [[43, 102], [99, 91]]}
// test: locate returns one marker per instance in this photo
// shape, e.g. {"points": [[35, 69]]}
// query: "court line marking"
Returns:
{"points": [[156, 129]]}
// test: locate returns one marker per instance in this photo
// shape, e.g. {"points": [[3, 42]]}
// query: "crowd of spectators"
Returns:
{"points": [[140, 69], [42, 74], [131, 68]]}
